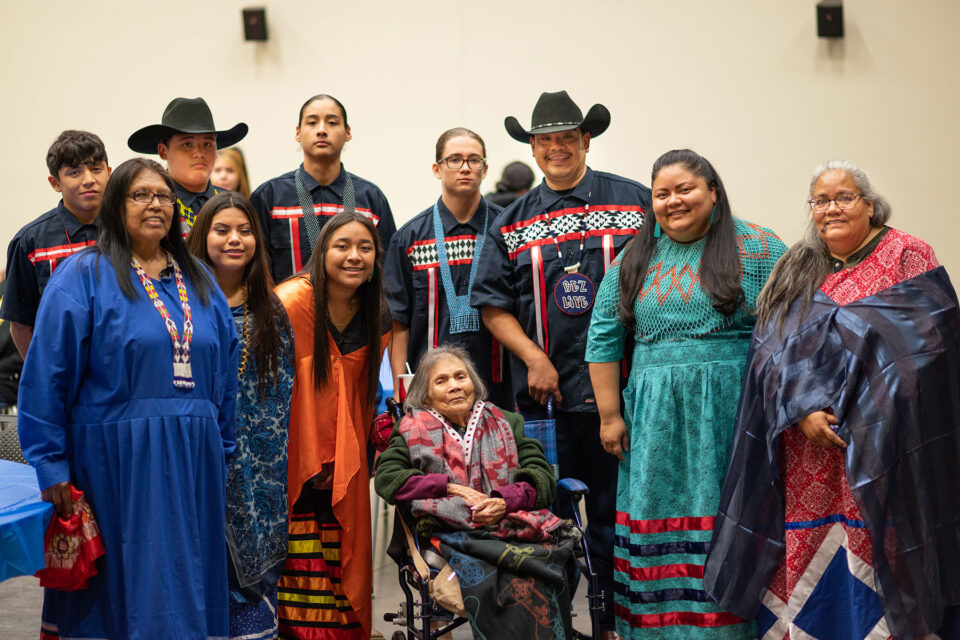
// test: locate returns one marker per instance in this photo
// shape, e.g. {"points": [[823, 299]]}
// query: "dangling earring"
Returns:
{"points": [[713, 213], [656, 230]]}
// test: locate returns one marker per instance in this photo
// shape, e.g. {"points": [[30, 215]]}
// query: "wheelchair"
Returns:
{"points": [[421, 616]]}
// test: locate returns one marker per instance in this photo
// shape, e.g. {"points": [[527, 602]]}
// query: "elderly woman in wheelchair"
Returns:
{"points": [[479, 491]]}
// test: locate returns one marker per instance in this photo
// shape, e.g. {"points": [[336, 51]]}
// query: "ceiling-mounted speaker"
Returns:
{"points": [[255, 25], [830, 18]]}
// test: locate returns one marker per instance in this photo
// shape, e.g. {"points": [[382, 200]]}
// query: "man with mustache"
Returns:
{"points": [[77, 161], [539, 272], [188, 140]]}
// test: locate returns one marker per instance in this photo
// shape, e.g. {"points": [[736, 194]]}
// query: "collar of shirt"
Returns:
{"points": [[336, 186], [860, 255], [550, 199], [188, 197], [450, 223], [69, 221]]}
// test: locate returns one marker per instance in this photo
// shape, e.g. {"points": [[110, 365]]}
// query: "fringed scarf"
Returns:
{"points": [[484, 458]]}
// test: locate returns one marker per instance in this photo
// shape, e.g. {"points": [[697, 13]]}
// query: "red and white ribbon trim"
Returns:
{"points": [[539, 296]]}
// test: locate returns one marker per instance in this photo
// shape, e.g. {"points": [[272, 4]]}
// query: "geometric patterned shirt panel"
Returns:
{"points": [[567, 223], [423, 254], [524, 257]]}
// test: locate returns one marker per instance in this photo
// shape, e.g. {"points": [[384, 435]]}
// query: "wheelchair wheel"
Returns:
{"points": [[398, 635]]}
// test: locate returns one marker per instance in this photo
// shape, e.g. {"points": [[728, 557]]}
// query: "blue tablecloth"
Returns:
{"points": [[23, 520]]}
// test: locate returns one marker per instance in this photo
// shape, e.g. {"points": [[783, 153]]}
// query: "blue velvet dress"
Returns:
{"points": [[98, 408]]}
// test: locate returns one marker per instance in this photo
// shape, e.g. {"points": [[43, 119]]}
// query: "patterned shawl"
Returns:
{"points": [[257, 477], [484, 458]]}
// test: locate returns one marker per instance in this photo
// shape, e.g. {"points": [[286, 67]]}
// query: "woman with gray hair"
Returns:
{"points": [[447, 390], [464, 468], [840, 511], [419, 395]]}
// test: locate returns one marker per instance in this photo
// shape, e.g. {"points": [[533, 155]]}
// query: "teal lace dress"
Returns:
{"points": [[680, 404]]}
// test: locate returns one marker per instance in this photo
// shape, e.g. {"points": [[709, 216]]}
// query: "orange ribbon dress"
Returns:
{"points": [[329, 426]]}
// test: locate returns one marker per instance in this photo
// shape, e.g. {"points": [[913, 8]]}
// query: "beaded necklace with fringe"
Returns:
{"points": [[182, 372]]}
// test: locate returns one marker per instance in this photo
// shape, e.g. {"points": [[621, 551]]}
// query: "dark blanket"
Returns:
{"points": [[889, 367], [513, 589]]}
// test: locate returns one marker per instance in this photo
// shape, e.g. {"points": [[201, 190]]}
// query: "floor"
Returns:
{"points": [[21, 598]]}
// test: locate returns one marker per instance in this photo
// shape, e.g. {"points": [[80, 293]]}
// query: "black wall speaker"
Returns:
{"points": [[255, 24], [830, 18]]}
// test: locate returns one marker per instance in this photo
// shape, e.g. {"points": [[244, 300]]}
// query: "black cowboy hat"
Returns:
{"points": [[184, 115], [557, 112]]}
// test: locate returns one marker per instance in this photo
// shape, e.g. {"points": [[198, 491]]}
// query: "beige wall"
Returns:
{"points": [[747, 83]]}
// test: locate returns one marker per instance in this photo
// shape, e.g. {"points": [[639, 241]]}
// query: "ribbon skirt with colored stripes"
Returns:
{"points": [[312, 605]]}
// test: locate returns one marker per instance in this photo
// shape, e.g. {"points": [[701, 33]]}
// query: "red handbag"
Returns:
{"points": [[380, 433], [72, 547], [383, 425]]}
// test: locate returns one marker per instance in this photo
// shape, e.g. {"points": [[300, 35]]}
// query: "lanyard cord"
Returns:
{"points": [[583, 234], [444, 261], [463, 317], [306, 204]]}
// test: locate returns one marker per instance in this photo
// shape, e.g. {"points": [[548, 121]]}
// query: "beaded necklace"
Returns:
{"points": [[182, 372], [187, 214], [246, 334], [463, 317]]}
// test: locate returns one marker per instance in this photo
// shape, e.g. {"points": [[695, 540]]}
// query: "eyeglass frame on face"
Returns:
{"points": [[825, 204], [459, 160], [138, 196]]}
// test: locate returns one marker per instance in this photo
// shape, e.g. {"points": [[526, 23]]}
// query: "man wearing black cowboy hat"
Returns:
{"points": [[188, 140], [539, 273]]}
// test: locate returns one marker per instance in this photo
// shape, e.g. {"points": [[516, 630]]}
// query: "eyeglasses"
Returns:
{"points": [[164, 198], [455, 162], [844, 202]]}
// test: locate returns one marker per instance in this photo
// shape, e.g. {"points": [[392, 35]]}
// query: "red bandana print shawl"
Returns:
{"points": [[484, 458]]}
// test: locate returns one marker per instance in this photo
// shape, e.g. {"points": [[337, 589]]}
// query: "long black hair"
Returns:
{"points": [[261, 301], [720, 269], [114, 241], [369, 297]]}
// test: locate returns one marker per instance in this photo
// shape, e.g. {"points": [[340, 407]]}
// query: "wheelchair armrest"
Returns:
{"points": [[576, 488]]}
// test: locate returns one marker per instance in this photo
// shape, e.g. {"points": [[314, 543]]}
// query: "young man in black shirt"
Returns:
{"points": [[77, 161]]}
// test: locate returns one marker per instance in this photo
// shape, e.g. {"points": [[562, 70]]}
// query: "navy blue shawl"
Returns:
{"points": [[889, 366]]}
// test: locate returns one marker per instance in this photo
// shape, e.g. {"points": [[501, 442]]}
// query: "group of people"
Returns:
{"points": [[771, 436]]}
